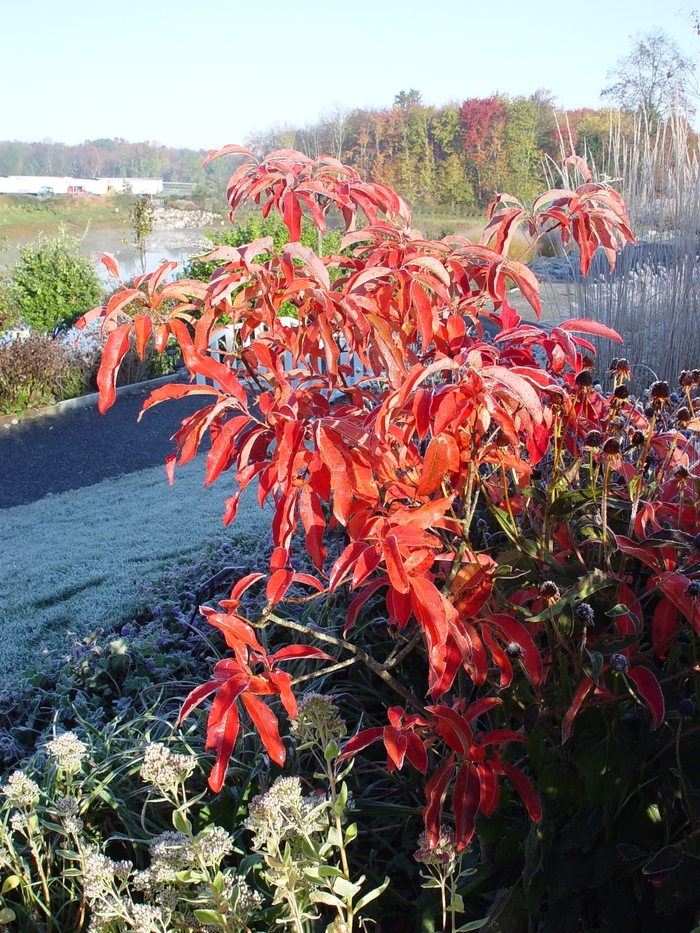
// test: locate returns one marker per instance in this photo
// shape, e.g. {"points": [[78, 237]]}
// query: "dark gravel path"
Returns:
{"points": [[56, 453]]}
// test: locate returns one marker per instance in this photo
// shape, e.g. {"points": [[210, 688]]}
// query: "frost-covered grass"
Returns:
{"points": [[73, 563]]}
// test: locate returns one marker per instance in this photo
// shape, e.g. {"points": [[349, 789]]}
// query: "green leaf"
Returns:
{"points": [[474, 925], [594, 669], [6, 915], [325, 897], [332, 750], [218, 884], [457, 905], [341, 799], [181, 823], [10, 883], [371, 895], [350, 833], [334, 837], [345, 888], [211, 917]]}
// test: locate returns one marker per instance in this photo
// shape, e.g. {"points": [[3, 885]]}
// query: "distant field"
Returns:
{"points": [[23, 216]]}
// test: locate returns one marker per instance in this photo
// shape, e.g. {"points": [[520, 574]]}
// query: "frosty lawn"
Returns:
{"points": [[68, 562]]}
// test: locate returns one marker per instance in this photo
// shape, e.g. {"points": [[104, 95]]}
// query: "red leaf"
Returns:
{"points": [[524, 787], [110, 264], [650, 691], [360, 741], [222, 729], [516, 632], [458, 733], [500, 737], [278, 584], [437, 458], [435, 793], [231, 149], [266, 724], [283, 682], [359, 601], [489, 792], [222, 453], [244, 583], [474, 710], [582, 691], [143, 326], [637, 550], [583, 325], [664, 625], [346, 563], [314, 522], [394, 564], [195, 697], [416, 753], [465, 803], [290, 652], [115, 349], [395, 744]]}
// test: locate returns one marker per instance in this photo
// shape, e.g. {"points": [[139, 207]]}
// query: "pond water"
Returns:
{"points": [[174, 245]]}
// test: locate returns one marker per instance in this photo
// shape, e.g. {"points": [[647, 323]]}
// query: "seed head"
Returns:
{"points": [[659, 392], [621, 393], [685, 380], [584, 614], [637, 439], [693, 589], [611, 448], [686, 707], [514, 651], [587, 362], [593, 439], [682, 417], [619, 663], [549, 592], [584, 380], [681, 474]]}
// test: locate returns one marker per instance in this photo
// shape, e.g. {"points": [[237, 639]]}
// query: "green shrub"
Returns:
{"points": [[51, 284]]}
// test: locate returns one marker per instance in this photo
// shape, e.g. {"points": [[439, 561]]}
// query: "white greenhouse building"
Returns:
{"points": [[53, 184]]}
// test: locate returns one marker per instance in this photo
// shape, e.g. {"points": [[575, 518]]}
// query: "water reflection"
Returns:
{"points": [[173, 245]]}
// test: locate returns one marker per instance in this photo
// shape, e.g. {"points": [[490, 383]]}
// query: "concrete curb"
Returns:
{"points": [[85, 401]]}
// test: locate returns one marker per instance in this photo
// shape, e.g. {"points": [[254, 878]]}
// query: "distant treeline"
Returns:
{"points": [[457, 156], [99, 158], [454, 157]]}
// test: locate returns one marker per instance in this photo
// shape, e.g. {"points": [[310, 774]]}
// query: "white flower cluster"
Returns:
{"points": [[283, 812], [212, 844], [20, 790], [67, 750], [146, 919], [171, 852], [165, 769], [68, 812], [249, 901], [318, 719], [99, 872]]}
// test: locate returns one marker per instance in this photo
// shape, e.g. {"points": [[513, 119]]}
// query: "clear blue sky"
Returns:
{"points": [[205, 74]]}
